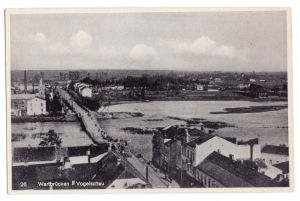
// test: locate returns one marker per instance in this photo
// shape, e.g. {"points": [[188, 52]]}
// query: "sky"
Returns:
{"points": [[198, 41]]}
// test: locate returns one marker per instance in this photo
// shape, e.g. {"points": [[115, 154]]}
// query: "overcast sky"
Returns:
{"points": [[203, 41]]}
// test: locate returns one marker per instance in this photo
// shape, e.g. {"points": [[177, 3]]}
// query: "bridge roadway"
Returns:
{"points": [[88, 118]]}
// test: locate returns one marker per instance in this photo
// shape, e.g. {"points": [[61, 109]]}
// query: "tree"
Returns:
{"points": [[51, 139]]}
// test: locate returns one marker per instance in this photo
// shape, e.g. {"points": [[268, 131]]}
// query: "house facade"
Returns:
{"points": [[273, 154], [19, 104], [36, 106], [86, 92]]}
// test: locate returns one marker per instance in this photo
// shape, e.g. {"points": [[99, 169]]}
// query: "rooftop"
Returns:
{"points": [[273, 149], [284, 166], [201, 139], [22, 96], [232, 173]]}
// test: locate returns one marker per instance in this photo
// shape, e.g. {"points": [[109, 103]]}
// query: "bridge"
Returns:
{"points": [[88, 118], [99, 136]]}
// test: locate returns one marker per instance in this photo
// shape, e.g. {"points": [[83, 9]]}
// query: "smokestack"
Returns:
{"points": [[25, 82], [88, 152]]}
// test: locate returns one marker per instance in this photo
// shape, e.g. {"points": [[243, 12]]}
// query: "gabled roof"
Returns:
{"points": [[273, 149], [284, 166], [232, 173], [201, 139]]}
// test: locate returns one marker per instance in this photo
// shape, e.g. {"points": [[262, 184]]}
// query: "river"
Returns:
{"points": [[271, 127]]}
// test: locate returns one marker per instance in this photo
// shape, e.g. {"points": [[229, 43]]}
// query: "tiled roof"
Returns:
{"points": [[272, 149], [79, 172], [284, 166], [201, 139], [22, 96], [232, 173], [33, 154]]}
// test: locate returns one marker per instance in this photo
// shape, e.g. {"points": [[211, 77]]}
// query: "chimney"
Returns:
{"points": [[67, 163], [25, 82], [251, 152], [187, 135], [88, 155], [231, 156]]}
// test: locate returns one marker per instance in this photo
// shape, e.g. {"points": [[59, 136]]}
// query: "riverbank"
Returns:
{"points": [[118, 115], [69, 118], [251, 109]]}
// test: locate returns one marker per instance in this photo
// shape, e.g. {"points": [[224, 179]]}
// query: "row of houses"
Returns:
{"points": [[197, 158], [80, 167]]}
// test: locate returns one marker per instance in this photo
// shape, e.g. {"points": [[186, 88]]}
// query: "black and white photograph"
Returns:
{"points": [[100, 100]]}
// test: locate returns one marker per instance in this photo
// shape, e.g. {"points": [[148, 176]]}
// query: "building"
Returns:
{"points": [[218, 80], [36, 106], [219, 171], [63, 76], [12, 90], [73, 75], [273, 154], [199, 87], [19, 104], [85, 91], [84, 167], [283, 168]]}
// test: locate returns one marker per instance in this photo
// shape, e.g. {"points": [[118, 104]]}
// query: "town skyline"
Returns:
{"points": [[202, 41]]}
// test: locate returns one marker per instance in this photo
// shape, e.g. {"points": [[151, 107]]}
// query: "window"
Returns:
{"points": [[270, 162], [23, 104], [16, 104], [42, 110], [42, 104]]}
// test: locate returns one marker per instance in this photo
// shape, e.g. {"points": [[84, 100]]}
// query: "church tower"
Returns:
{"points": [[41, 89]]}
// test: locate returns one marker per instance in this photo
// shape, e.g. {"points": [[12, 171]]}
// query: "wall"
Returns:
{"points": [[86, 92], [206, 180], [274, 157], [36, 106]]}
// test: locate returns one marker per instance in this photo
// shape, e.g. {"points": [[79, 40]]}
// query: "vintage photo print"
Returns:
{"points": [[149, 100]]}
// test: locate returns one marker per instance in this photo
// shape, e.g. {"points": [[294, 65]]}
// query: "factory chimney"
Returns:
{"points": [[25, 82]]}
